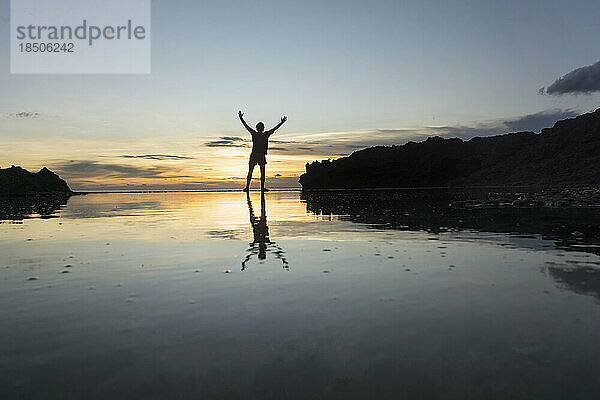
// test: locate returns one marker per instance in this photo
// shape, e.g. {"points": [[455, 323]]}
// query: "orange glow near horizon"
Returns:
{"points": [[144, 165]]}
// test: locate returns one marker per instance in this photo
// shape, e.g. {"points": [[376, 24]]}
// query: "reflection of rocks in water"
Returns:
{"points": [[16, 208], [555, 198], [580, 279], [434, 210]]}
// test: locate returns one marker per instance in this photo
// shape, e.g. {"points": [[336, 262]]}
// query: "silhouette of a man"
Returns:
{"points": [[260, 144]]}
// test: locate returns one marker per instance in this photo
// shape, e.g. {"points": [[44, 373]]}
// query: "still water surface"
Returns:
{"points": [[323, 295]]}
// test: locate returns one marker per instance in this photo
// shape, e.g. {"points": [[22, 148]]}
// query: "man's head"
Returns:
{"points": [[260, 127]]}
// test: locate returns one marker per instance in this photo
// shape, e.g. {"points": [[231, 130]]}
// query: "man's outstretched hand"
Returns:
{"points": [[283, 119], [240, 114]]}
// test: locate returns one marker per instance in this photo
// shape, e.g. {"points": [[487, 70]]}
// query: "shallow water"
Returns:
{"points": [[327, 295]]}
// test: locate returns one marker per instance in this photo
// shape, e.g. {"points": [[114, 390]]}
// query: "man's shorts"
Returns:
{"points": [[259, 159]]}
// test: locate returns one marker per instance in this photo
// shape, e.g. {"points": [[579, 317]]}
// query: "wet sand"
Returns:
{"points": [[341, 296]]}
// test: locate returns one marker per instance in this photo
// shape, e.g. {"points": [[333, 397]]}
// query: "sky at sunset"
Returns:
{"points": [[348, 74]]}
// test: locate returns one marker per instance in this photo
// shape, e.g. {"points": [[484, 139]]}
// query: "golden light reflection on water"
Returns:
{"points": [[181, 216]]}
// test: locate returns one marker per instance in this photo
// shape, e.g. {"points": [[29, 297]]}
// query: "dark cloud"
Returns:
{"points": [[581, 80], [530, 122], [538, 121], [158, 157], [394, 131], [228, 141], [235, 141], [23, 115], [94, 170], [282, 141]]}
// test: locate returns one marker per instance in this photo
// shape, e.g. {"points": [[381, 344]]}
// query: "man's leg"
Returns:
{"points": [[249, 178], [262, 177]]}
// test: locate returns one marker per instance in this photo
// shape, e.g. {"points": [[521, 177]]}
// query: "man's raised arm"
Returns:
{"points": [[241, 115], [283, 119]]}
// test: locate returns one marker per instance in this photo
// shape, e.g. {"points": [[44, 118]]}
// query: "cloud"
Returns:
{"points": [[282, 141], [530, 122], [86, 169], [158, 157], [228, 141], [23, 115], [581, 80], [538, 121], [235, 141]]}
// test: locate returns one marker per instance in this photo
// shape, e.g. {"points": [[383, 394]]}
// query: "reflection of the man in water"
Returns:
{"points": [[261, 243]]}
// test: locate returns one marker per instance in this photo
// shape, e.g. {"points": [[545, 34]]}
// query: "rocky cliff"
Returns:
{"points": [[16, 180], [566, 154]]}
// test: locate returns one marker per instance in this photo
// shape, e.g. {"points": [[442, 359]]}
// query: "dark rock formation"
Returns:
{"points": [[566, 154], [16, 181]]}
